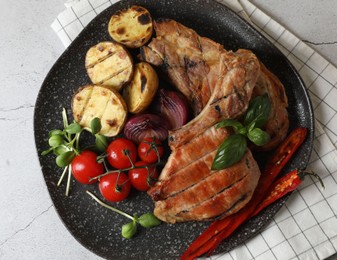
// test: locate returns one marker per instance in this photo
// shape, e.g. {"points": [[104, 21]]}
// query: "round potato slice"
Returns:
{"points": [[139, 93], [132, 27], [109, 64], [107, 104]]}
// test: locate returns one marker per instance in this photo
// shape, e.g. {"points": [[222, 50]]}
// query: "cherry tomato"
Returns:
{"points": [[147, 149], [142, 178], [85, 166], [113, 191], [117, 153]]}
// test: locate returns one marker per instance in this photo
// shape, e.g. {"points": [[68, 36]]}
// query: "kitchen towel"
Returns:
{"points": [[306, 227]]}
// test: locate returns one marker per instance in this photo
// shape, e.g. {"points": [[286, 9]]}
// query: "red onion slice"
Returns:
{"points": [[173, 106], [146, 125]]}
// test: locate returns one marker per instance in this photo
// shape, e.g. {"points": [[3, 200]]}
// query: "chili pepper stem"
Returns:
{"points": [[110, 207], [302, 174]]}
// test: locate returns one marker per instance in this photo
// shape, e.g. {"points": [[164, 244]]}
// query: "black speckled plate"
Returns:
{"points": [[99, 229]]}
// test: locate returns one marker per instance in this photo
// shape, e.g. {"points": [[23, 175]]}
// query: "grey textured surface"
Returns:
{"points": [[30, 227]]}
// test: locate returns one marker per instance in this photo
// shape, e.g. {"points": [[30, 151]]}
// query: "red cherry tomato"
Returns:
{"points": [[142, 178], [113, 191], [117, 153], [147, 151], [85, 166]]}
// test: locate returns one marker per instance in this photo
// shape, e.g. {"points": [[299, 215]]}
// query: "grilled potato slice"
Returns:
{"points": [[139, 93], [109, 64], [107, 104], [132, 27]]}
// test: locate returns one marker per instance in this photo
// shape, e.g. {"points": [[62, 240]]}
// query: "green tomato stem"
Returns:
{"points": [[110, 207], [127, 169]]}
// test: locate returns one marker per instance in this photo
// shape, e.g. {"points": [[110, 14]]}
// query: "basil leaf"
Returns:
{"points": [[95, 125], [148, 220], [129, 229], [258, 112], [230, 152], [258, 136], [230, 122]]}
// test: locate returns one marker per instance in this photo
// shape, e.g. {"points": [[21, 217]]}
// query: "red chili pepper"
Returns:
{"points": [[284, 185], [221, 229]]}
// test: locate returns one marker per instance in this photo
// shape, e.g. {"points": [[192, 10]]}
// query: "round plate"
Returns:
{"points": [[99, 229]]}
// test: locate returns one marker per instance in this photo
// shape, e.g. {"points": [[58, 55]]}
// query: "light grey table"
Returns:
{"points": [[30, 227]]}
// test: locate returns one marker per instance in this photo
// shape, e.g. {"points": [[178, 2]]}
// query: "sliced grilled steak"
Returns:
{"points": [[187, 164], [205, 194]]}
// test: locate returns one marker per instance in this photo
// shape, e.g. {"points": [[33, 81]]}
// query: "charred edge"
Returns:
{"points": [[142, 53], [188, 63], [112, 76], [240, 200], [110, 54], [221, 191], [165, 65], [163, 20], [218, 100], [144, 19], [143, 81]]}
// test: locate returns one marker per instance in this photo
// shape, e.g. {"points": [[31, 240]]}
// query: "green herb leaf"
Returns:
{"points": [[129, 229], [47, 151], [101, 142], [55, 132], [95, 125], [55, 140], [73, 128], [230, 151], [60, 149], [258, 112], [148, 220], [65, 159], [258, 136], [230, 122]]}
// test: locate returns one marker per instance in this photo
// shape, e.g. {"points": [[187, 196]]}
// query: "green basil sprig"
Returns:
{"points": [[234, 147]]}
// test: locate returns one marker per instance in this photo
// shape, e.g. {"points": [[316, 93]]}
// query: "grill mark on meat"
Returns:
{"points": [[189, 65], [205, 208], [192, 200], [234, 207], [234, 79], [213, 187], [211, 139], [201, 174], [214, 195], [159, 192]]}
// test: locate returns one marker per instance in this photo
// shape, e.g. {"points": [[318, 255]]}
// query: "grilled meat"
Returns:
{"points": [[219, 85], [196, 193], [230, 98], [278, 122], [190, 61]]}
